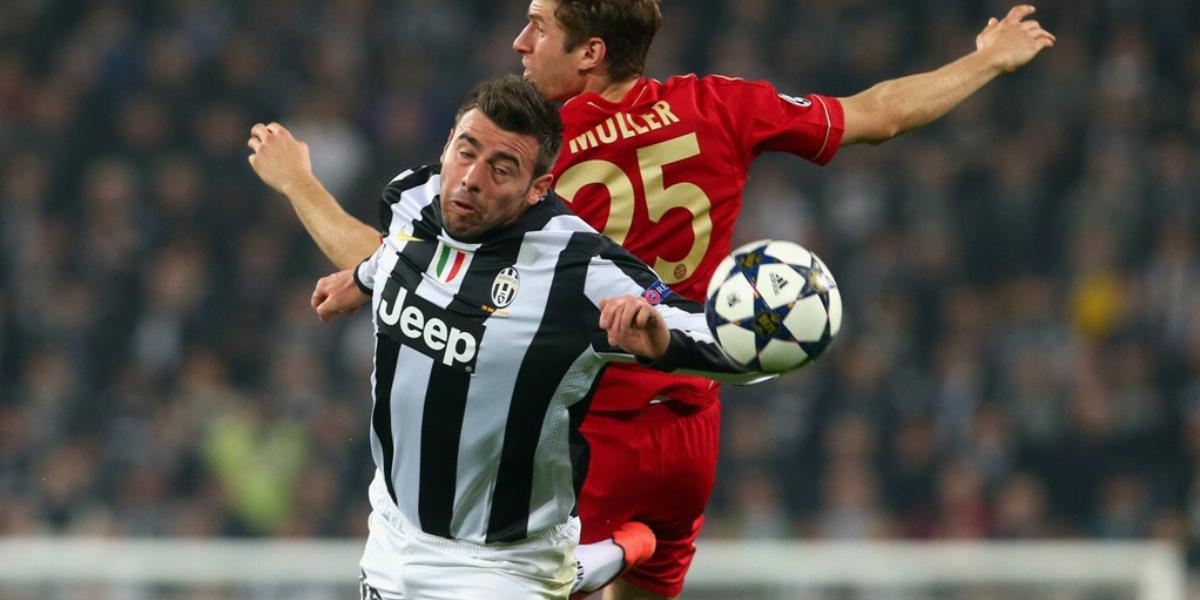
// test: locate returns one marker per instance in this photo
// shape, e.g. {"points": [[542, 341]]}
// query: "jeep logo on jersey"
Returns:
{"points": [[429, 329], [504, 287]]}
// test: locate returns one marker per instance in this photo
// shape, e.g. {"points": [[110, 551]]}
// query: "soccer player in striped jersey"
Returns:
{"points": [[660, 168], [495, 311]]}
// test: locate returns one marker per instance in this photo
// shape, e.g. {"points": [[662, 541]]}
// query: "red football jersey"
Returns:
{"points": [[662, 173]]}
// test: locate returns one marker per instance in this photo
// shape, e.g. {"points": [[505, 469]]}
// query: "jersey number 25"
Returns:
{"points": [[660, 198]]}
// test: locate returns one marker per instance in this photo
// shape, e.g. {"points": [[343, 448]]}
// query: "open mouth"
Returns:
{"points": [[462, 207]]}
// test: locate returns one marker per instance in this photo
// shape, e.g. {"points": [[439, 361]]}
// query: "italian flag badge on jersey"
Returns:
{"points": [[450, 263]]}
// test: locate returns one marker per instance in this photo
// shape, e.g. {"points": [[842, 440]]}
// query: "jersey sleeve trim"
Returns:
{"points": [[834, 126]]}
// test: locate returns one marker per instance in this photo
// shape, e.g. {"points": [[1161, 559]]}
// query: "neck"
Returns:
{"points": [[610, 90]]}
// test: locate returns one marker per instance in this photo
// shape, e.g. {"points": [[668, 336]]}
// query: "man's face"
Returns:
{"points": [[487, 176], [555, 71]]}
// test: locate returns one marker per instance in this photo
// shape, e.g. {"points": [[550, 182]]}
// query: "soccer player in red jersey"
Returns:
{"points": [[660, 167]]}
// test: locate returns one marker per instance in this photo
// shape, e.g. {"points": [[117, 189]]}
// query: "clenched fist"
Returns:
{"points": [[634, 325], [337, 294], [279, 159]]}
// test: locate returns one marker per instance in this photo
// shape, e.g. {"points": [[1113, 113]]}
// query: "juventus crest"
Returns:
{"points": [[504, 287]]}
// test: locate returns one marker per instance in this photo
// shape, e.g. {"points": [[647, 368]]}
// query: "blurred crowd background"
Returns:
{"points": [[1021, 355]]}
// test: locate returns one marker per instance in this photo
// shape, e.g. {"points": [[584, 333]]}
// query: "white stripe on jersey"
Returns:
{"points": [[552, 469]]}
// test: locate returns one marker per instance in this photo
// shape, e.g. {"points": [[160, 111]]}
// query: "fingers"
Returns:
{"points": [[260, 134], [1019, 12], [258, 137], [279, 130], [992, 22], [326, 310], [628, 312], [616, 316], [641, 316], [1041, 37], [620, 325], [605, 314], [318, 296]]}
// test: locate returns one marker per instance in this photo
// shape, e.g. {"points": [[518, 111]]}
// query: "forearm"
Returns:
{"points": [[345, 240], [694, 352], [896, 106]]}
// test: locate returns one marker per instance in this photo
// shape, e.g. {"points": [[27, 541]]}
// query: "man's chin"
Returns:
{"points": [[460, 231]]}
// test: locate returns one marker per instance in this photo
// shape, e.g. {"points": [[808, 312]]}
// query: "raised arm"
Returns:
{"points": [[282, 162], [895, 106]]}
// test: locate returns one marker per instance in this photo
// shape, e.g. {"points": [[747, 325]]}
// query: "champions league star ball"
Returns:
{"points": [[773, 306]]}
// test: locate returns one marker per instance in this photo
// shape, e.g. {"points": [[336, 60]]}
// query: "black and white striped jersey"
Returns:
{"points": [[486, 356]]}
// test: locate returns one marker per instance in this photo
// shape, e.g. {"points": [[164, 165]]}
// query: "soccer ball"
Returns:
{"points": [[773, 306]]}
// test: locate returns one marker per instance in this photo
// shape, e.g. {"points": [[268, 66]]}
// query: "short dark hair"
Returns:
{"points": [[516, 106], [626, 26]]}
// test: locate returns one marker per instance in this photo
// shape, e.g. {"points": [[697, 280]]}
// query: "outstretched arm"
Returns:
{"points": [[669, 335], [282, 162], [895, 106]]}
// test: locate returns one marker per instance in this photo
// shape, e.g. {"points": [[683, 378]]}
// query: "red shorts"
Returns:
{"points": [[657, 466]]}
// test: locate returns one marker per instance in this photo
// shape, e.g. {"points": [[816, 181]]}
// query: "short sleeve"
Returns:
{"points": [[364, 273], [763, 119]]}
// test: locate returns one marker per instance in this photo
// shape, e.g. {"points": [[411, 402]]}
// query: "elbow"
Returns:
{"points": [[885, 123], [871, 119], [885, 131]]}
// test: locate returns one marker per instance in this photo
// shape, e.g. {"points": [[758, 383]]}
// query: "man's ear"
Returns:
{"points": [[594, 52], [538, 188]]}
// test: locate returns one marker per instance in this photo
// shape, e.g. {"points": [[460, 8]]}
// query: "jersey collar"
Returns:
{"points": [[598, 101]]}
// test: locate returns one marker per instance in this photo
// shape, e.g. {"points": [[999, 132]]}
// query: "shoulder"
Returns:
{"points": [[419, 185], [717, 91], [553, 222], [722, 84]]}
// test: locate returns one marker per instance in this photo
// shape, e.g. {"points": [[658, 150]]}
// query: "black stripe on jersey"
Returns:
{"points": [[643, 275], [446, 396], [538, 215], [394, 190], [418, 255], [441, 429], [387, 351], [428, 226], [553, 349]]}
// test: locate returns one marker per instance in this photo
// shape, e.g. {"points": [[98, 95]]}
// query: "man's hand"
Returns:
{"points": [[635, 326], [337, 294], [1012, 42], [279, 159]]}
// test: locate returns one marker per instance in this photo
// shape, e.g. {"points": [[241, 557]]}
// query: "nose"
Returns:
{"points": [[520, 45], [471, 177]]}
